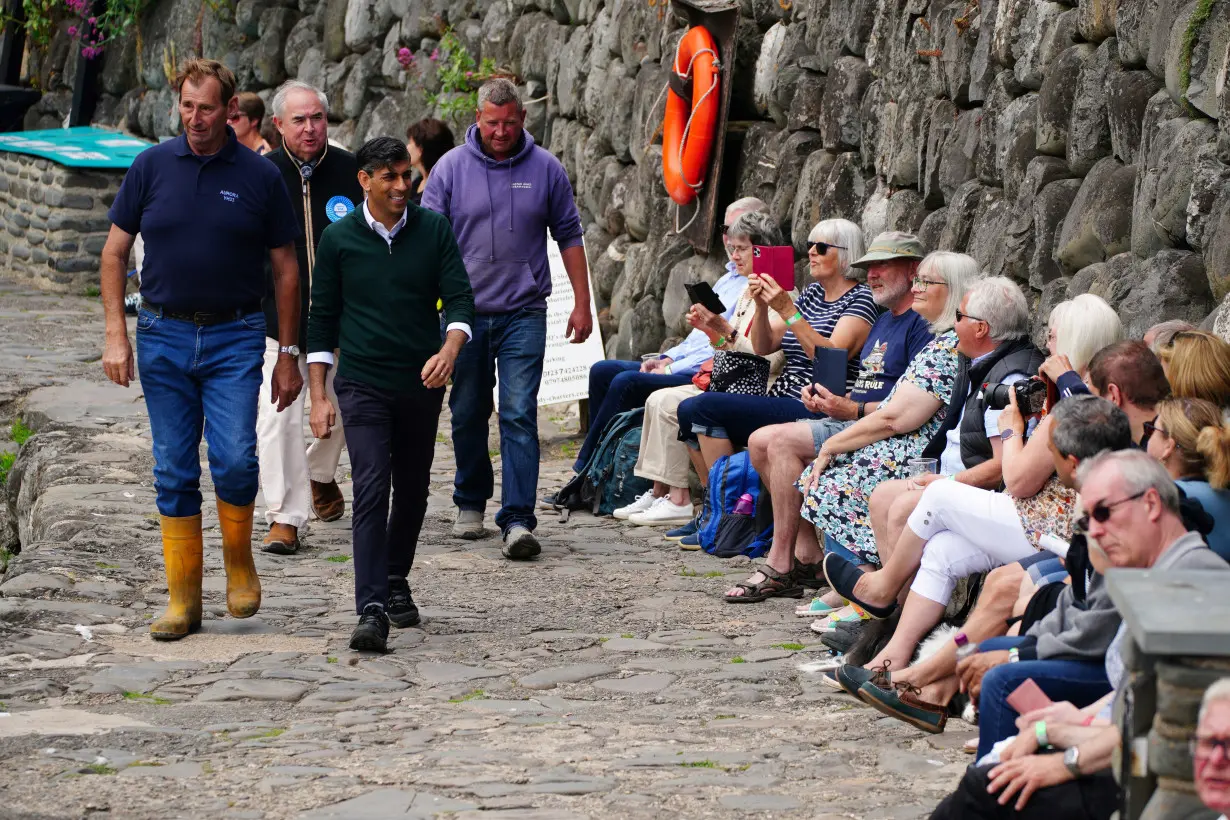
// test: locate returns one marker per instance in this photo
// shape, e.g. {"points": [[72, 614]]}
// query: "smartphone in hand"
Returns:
{"points": [[776, 261], [1028, 697]]}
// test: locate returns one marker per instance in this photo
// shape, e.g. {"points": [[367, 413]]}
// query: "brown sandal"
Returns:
{"points": [[775, 585]]}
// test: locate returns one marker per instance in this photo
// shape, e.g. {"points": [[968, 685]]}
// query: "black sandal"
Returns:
{"points": [[810, 576], [775, 585]]}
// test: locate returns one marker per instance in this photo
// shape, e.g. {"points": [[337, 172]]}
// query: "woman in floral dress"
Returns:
{"points": [[837, 499]]}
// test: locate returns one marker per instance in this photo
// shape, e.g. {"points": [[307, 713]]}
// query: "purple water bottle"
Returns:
{"points": [[746, 505], [964, 647]]}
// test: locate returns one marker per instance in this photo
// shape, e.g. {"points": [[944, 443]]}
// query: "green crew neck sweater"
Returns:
{"points": [[377, 302]]}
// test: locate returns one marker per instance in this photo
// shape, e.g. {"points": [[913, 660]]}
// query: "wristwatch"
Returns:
{"points": [[290, 350], [1072, 759]]}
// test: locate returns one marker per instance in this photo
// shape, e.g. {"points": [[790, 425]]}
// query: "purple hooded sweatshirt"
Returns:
{"points": [[500, 212]]}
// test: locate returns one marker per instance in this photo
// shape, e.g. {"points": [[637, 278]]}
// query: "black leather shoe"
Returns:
{"points": [[842, 576], [372, 633], [401, 609]]}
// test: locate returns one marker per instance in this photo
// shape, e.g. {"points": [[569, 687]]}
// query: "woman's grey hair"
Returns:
{"points": [[848, 237], [999, 302], [1085, 425], [279, 97], [745, 204], [499, 91], [960, 272], [757, 226], [1139, 470], [1218, 692], [1083, 326], [1164, 332]]}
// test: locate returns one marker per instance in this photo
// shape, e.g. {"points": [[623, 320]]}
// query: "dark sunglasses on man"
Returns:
{"points": [[1101, 511]]}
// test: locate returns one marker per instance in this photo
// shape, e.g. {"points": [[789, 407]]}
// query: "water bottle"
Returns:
{"points": [[964, 647], [746, 505]]}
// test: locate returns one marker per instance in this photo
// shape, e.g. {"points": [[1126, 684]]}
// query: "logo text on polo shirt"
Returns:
{"points": [[523, 185], [229, 196]]}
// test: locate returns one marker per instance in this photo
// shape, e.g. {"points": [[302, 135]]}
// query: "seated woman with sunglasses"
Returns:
{"points": [[834, 311], [1192, 441]]}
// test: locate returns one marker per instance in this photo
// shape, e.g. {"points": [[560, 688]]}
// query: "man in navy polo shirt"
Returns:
{"points": [[210, 212]]}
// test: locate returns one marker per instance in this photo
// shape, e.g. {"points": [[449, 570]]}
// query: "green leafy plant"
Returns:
{"points": [[142, 697], [19, 432], [737, 659], [338, 559], [6, 464], [459, 75], [700, 764], [93, 32], [793, 647]]}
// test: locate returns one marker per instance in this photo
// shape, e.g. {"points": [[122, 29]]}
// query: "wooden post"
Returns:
{"points": [[12, 42], [85, 84]]}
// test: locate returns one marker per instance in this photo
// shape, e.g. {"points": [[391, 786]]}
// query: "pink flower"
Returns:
{"points": [[72, 31], [93, 20], [404, 57], [435, 55]]}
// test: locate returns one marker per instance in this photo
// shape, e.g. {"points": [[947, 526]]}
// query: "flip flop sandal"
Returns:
{"points": [[815, 609], [775, 585]]}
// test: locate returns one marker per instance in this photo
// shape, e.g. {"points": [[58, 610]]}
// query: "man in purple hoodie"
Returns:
{"points": [[502, 193]]}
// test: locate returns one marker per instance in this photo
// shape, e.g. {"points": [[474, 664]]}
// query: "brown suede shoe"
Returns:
{"points": [[283, 539], [327, 500]]}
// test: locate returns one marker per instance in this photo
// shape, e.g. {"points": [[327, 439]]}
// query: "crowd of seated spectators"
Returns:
{"points": [[958, 453]]}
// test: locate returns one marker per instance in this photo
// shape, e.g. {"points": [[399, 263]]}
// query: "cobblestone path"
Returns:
{"points": [[606, 679]]}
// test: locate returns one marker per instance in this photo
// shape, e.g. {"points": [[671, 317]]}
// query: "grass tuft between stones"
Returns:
{"points": [[701, 764], [737, 659], [793, 647], [141, 696], [338, 559], [477, 694]]}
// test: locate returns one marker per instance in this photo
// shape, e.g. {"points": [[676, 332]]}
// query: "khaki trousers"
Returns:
{"points": [[663, 456], [285, 465]]}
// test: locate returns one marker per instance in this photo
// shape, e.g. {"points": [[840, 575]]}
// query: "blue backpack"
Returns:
{"points": [[726, 533], [607, 480]]}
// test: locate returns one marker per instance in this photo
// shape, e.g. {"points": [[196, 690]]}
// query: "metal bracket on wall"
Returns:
{"points": [[722, 20]]}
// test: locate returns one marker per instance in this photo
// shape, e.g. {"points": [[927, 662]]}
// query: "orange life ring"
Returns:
{"points": [[688, 129]]}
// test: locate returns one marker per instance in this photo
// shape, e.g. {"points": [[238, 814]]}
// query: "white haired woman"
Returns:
{"points": [[833, 312]]}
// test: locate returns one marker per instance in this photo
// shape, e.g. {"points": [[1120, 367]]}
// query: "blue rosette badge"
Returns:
{"points": [[338, 207]]}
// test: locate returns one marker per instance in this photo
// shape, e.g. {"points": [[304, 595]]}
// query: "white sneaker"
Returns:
{"points": [[663, 511], [468, 524], [643, 502]]}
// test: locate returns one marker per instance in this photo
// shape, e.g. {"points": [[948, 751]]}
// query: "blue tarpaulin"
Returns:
{"points": [[84, 147]]}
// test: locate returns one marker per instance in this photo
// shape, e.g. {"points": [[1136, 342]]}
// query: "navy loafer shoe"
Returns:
{"points": [[842, 576]]}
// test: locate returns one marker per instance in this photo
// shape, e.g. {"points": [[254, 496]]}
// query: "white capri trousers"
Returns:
{"points": [[663, 456], [285, 464], [967, 530]]}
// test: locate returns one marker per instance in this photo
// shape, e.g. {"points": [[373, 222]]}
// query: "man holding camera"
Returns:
{"points": [[993, 339]]}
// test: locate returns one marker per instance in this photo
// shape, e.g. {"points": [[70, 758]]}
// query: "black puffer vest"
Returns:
{"points": [[968, 403]]}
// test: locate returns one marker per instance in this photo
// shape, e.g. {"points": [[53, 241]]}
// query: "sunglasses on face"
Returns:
{"points": [[821, 248], [961, 316], [1205, 746], [1101, 511]]}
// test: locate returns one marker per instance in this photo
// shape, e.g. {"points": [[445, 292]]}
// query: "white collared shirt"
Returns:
{"points": [[387, 234]]}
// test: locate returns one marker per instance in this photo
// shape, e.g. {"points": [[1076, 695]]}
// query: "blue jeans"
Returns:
{"points": [[736, 417], [511, 345], [1079, 682], [616, 387], [198, 378]]}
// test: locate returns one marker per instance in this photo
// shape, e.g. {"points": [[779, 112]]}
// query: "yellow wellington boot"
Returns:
{"points": [[181, 551], [243, 587]]}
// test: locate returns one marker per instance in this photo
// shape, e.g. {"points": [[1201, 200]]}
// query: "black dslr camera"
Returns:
{"points": [[1030, 395]]}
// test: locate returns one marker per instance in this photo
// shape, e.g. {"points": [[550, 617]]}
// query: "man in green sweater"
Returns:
{"points": [[379, 273]]}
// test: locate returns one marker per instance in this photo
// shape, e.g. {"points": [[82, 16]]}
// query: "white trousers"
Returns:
{"points": [[967, 530], [284, 463]]}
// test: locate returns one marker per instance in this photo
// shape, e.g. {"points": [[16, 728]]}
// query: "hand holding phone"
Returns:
{"points": [[701, 293]]}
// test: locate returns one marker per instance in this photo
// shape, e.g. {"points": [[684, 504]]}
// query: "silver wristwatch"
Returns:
{"points": [[1072, 759], [290, 350]]}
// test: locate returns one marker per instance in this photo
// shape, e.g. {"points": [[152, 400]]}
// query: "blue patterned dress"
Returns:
{"points": [[839, 505]]}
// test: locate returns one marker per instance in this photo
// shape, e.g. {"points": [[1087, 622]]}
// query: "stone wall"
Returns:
{"points": [[54, 221], [1078, 146]]}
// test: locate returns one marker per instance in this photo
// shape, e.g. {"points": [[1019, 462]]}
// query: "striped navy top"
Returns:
{"points": [[822, 316]]}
